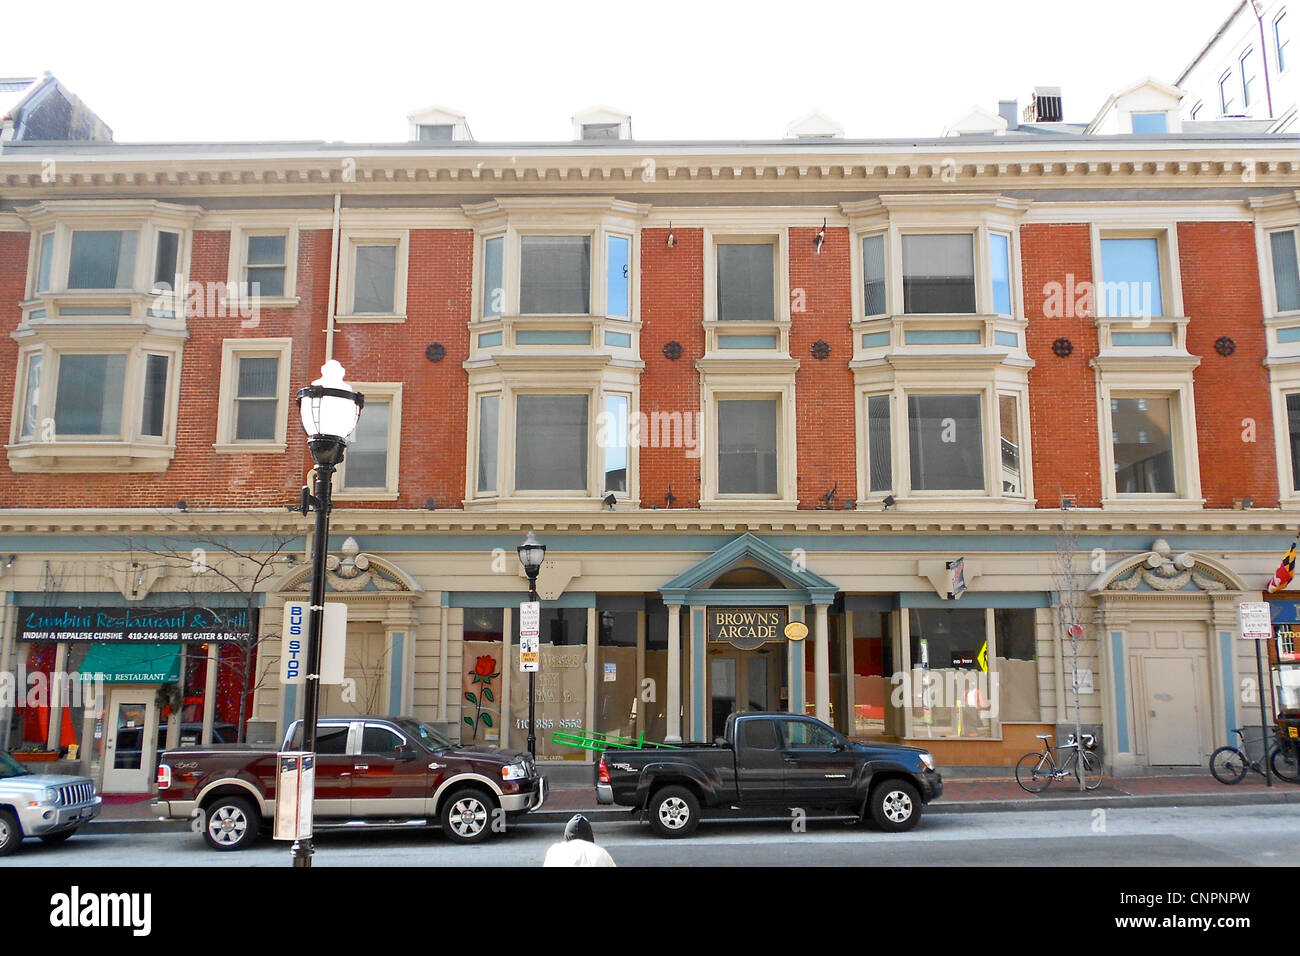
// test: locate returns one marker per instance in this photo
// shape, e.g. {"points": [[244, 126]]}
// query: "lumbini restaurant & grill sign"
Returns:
{"points": [[106, 624], [746, 627]]}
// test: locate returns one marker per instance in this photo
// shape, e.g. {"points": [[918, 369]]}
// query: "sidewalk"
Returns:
{"points": [[961, 795]]}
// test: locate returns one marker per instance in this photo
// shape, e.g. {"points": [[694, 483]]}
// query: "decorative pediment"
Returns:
{"points": [[1163, 570], [354, 572], [805, 586]]}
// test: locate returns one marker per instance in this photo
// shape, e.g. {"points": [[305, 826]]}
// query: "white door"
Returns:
{"points": [[1173, 716], [131, 740], [365, 673]]}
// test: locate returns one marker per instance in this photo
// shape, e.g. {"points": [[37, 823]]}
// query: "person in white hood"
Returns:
{"points": [[578, 848]]}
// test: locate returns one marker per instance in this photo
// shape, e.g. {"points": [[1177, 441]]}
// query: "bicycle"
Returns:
{"points": [[1036, 771], [1230, 764]]}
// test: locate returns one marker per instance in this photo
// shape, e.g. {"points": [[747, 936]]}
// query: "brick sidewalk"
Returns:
{"points": [[956, 792]]}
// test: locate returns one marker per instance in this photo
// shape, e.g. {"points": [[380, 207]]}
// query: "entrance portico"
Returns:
{"points": [[746, 573]]}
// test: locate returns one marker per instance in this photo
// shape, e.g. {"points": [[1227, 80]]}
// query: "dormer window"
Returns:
{"points": [[435, 132], [1150, 122], [600, 130]]}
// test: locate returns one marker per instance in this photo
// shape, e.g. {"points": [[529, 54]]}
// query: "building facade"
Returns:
{"points": [[934, 401]]}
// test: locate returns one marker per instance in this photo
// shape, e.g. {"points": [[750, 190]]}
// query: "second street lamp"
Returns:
{"points": [[330, 410], [531, 555]]}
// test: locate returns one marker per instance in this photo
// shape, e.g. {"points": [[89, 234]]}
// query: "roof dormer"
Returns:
{"points": [[435, 124], [601, 123], [1145, 108], [977, 122], [814, 125]]}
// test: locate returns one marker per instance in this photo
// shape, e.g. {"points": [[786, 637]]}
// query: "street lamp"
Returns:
{"points": [[330, 410], [531, 555]]}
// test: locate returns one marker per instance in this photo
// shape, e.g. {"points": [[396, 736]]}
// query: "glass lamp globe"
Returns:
{"points": [[531, 554], [331, 409]]}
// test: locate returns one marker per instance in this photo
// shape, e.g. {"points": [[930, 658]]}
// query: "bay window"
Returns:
{"points": [[489, 416], [102, 259], [94, 406], [1286, 270]]}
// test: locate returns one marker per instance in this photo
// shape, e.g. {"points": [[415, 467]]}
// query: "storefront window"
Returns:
{"points": [[561, 682], [1017, 665], [873, 666], [481, 666], [617, 701], [950, 685]]}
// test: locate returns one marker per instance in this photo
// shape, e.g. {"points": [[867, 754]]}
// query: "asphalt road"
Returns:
{"points": [[1158, 836]]}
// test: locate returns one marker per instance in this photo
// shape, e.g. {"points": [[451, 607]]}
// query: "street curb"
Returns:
{"points": [[607, 813]]}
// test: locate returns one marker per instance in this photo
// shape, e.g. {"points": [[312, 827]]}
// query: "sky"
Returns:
{"points": [[274, 70]]}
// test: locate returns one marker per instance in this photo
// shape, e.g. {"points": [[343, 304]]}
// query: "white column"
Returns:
{"points": [[639, 729], [850, 691], [508, 669], [9, 651], [821, 664], [593, 652], [444, 613], [674, 715], [210, 692], [53, 739]]}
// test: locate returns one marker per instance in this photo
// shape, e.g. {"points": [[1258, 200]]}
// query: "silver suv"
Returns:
{"points": [[48, 806]]}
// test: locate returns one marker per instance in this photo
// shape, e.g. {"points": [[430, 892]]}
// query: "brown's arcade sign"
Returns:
{"points": [[746, 627]]}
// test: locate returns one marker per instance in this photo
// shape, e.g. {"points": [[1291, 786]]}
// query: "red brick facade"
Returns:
{"points": [[1234, 420], [1062, 391], [1221, 290]]}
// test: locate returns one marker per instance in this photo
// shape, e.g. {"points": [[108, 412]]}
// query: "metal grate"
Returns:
{"points": [[76, 793]]}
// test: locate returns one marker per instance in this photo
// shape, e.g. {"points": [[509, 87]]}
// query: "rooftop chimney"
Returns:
{"points": [[1009, 110]]}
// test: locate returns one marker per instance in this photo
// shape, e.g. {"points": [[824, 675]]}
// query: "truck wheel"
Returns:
{"points": [[10, 833], [895, 806], [674, 812], [466, 816], [232, 823]]}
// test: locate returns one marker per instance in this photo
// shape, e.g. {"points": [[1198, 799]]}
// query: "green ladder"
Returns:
{"points": [[590, 740]]}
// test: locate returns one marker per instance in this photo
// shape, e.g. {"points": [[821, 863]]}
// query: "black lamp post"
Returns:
{"points": [[330, 410], [531, 555]]}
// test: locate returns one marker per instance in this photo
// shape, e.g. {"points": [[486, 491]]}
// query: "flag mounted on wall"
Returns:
{"points": [[1285, 571]]}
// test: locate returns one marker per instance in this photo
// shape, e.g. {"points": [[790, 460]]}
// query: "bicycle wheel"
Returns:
{"points": [[1228, 764], [1092, 772], [1034, 773], [1285, 764]]}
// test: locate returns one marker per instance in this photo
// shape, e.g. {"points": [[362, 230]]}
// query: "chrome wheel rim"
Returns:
{"points": [[4, 832], [674, 813], [468, 817], [897, 806], [228, 825]]}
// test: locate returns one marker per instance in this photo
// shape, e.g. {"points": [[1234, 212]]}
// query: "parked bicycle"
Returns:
{"points": [[1036, 771], [1230, 764]]}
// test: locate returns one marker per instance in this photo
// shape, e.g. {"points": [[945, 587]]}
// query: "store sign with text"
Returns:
{"points": [[746, 627], [101, 625]]}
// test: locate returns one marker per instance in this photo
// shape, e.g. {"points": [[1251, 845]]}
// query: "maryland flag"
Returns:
{"points": [[1285, 571]]}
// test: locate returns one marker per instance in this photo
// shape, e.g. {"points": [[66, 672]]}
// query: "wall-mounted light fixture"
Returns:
{"points": [[819, 238], [889, 502], [672, 239], [182, 506]]}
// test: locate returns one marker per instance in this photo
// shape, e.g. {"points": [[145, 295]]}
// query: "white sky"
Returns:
{"points": [[236, 70]]}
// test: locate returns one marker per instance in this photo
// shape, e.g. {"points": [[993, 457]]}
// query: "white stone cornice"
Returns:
{"points": [[110, 523]]}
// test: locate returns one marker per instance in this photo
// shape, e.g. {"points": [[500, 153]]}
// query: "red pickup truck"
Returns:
{"points": [[370, 771]]}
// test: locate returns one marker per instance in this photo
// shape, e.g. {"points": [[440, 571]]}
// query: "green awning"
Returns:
{"points": [[132, 662]]}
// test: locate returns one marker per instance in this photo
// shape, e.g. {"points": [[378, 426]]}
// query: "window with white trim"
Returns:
{"points": [[1227, 95], [263, 263], [746, 281], [938, 273], [370, 463], [489, 439], [254, 402], [1281, 40], [1286, 269], [555, 275], [1149, 447], [748, 443], [1135, 273], [748, 451], [1246, 67], [551, 438], [373, 278]]}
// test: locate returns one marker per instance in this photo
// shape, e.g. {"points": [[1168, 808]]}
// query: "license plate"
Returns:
{"points": [[1293, 731]]}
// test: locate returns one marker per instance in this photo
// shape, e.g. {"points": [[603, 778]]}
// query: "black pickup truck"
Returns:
{"points": [[766, 762]]}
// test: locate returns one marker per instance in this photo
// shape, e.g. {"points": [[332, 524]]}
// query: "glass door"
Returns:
{"points": [[130, 751]]}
